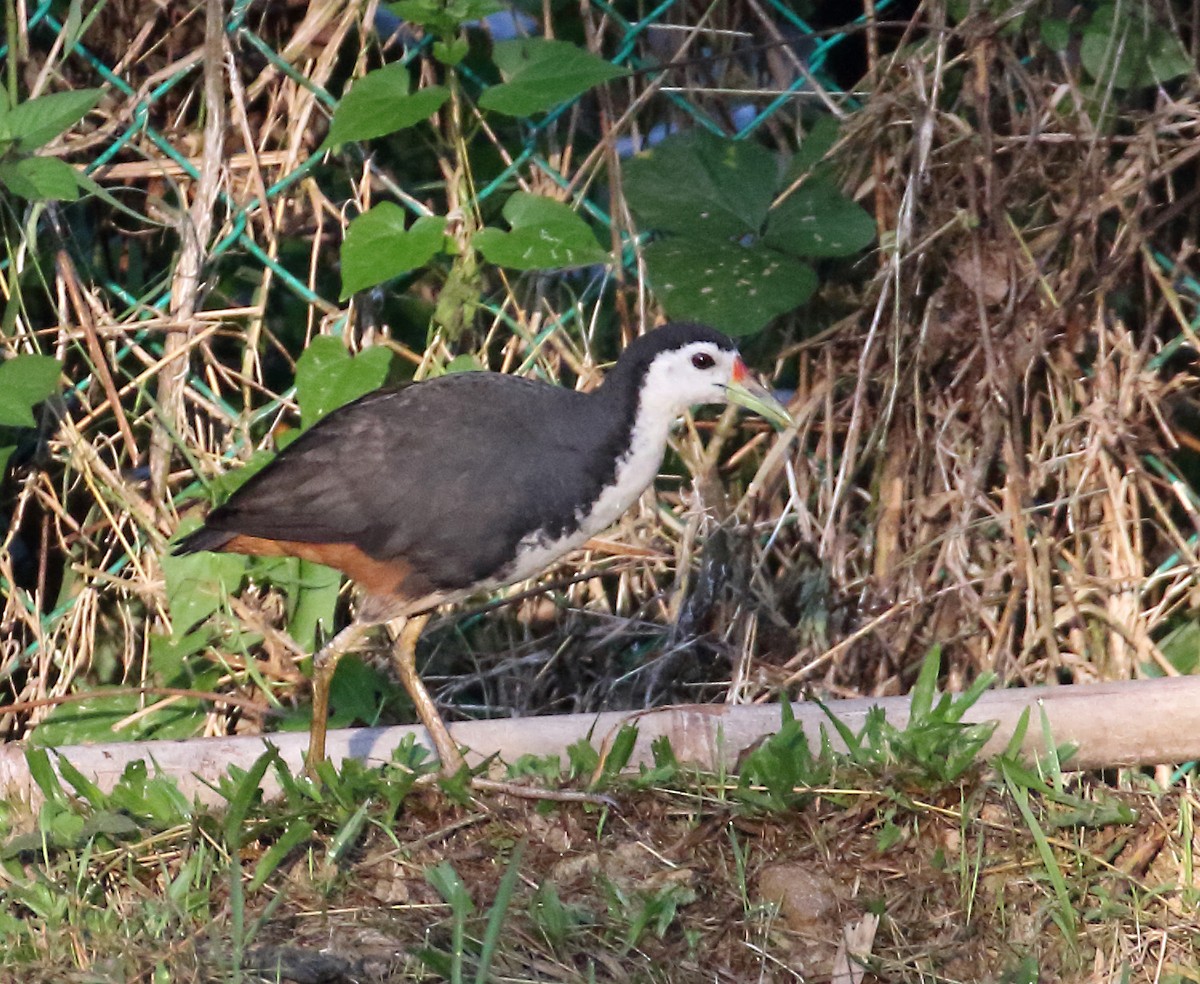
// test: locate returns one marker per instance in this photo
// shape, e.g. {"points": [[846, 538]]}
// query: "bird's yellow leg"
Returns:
{"points": [[406, 632], [324, 664]]}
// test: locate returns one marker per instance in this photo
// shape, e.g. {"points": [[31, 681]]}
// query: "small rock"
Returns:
{"points": [[804, 896], [388, 882], [550, 831]]}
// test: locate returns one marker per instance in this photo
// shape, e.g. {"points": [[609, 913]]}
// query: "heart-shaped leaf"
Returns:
{"points": [[377, 247], [539, 74], [698, 184], [735, 288], [25, 381], [327, 377], [546, 235], [379, 103]]}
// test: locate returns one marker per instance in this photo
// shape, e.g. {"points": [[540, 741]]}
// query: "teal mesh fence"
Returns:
{"points": [[746, 71]]}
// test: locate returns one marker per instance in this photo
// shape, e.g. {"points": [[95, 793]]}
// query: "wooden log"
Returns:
{"points": [[1126, 723]]}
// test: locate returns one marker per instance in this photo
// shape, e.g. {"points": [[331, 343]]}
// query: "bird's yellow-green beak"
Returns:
{"points": [[745, 392]]}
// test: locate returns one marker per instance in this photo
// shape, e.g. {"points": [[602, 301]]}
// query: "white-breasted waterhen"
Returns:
{"points": [[426, 493]]}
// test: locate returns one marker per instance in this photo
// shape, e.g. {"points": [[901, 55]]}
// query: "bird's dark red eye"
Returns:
{"points": [[702, 360]]}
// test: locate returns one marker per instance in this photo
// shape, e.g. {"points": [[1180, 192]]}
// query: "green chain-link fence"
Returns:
{"points": [[130, 289]]}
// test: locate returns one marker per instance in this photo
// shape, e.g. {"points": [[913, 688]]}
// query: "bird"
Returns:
{"points": [[426, 493]]}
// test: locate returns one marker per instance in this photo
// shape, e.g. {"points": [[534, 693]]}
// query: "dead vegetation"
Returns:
{"points": [[991, 420], [996, 453]]}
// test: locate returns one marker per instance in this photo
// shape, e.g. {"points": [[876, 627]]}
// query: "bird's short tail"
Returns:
{"points": [[204, 538]]}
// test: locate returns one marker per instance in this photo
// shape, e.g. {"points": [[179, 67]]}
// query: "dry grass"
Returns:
{"points": [[996, 435], [996, 408], [980, 423]]}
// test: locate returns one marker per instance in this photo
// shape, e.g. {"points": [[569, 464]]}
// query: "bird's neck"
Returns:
{"points": [[640, 428]]}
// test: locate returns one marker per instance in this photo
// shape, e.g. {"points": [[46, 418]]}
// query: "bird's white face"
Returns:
{"points": [[695, 374], [704, 372]]}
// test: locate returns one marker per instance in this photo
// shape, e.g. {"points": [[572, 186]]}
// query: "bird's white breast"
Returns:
{"points": [[635, 471]]}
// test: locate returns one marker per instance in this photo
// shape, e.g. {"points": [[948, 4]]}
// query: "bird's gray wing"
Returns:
{"points": [[448, 474]]}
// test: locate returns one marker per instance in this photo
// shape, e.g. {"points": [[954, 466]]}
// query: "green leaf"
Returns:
{"points": [[327, 377], [818, 220], [735, 288], [539, 74], [583, 757], [198, 584], [1125, 46], [377, 246], [450, 53], [24, 382], [921, 699], [357, 692], [817, 143], [348, 835], [81, 783], [447, 883], [94, 720], [41, 179], [1167, 58], [466, 362], [153, 798], [1113, 58], [295, 835], [546, 235], [1180, 646], [169, 656], [701, 185], [115, 826], [379, 103], [42, 772], [313, 603], [1056, 33], [38, 121], [444, 17], [619, 751], [65, 829]]}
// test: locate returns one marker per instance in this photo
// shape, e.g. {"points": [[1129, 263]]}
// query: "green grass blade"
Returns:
{"points": [[38, 760], [1050, 761], [926, 687], [1013, 749], [348, 835], [244, 796], [81, 783], [1020, 796], [495, 923], [450, 887], [295, 835]]}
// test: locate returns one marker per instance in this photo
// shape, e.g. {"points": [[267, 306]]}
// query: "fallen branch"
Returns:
{"points": [[1128, 723]]}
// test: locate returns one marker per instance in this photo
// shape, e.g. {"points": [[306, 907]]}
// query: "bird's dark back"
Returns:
{"points": [[448, 474]]}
